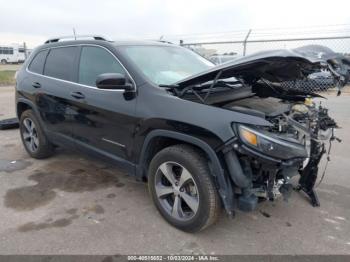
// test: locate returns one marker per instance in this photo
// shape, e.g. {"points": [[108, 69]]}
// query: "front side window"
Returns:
{"points": [[37, 64], [95, 61], [165, 65], [60, 63]]}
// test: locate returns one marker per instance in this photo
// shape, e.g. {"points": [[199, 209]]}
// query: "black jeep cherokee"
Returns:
{"points": [[203, 136]]}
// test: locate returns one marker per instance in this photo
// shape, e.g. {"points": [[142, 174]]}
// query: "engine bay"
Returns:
{"points": [[296, 118], [262, 160], [302, 122], [265, 107]]}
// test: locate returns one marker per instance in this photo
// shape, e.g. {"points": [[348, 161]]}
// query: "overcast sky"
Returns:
{"points": [[34, 21]]}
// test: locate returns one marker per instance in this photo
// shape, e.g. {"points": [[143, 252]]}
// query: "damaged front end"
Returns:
{"points": [[272, 156], [262, 160]]}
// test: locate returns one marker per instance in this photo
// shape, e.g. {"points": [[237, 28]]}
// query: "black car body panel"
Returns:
{"points": [[60, 108], [128, 127]]}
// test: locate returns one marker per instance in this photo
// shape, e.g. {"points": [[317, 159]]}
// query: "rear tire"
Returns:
{"points": [[3, 62], [190, 201], [33, 137]]}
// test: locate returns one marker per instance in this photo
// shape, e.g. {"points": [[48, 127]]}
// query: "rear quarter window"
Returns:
{"points": [[37, 64], [61, 63]]}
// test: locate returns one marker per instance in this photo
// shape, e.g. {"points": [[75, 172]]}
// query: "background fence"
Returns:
{"points": [[221, 47], [243, 42]]}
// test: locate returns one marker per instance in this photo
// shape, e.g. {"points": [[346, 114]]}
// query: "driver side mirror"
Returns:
{"points": [[113, 81]]}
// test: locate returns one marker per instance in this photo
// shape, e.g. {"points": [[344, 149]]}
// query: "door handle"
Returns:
{"points": [[36, 85], [77, 95]]}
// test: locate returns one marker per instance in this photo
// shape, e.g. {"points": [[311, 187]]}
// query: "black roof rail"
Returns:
{"points": [[75, 37]]}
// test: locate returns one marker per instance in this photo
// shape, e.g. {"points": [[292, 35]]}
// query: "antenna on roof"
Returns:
{"points": [[75, 36]]}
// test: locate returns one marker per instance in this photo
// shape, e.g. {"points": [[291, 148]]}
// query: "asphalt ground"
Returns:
{"points": [[71, 204]]}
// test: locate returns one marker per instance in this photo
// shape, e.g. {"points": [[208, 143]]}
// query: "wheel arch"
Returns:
{"points": [[156, 140], [23, 105], [150, 148]]}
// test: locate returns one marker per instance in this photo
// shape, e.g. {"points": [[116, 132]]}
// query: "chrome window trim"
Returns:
{"points": [[70, 82]]}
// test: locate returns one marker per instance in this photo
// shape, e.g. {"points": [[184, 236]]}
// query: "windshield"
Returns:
{"points": [[165, 65]]}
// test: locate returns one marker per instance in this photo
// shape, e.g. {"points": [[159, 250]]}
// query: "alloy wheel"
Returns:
{"points": [[177, 191], [30, 135]]}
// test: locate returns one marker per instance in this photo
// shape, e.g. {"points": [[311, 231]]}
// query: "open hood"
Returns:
{"points": [[274, 66], [338, 62], [319, 52]]}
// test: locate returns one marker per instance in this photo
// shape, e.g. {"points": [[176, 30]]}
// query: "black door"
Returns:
{"points": [[105, 121], [54, 95]]}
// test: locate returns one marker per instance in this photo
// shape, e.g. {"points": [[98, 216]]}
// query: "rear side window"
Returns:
{"points": [[95, 61], [37, 64], [60, 63]]}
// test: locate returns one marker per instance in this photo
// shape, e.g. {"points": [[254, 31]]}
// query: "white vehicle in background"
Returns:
{"points": [[12, 54]]}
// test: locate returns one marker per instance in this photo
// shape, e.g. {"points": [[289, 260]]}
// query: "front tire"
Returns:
{"points": [[182, 188], [33, 137], [3, 62]]}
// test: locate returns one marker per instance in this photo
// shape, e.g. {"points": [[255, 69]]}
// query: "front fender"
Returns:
{"points": [[222, 182]]}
